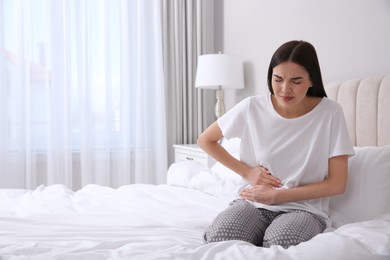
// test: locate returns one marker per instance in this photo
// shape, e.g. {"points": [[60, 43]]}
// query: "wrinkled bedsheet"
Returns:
{"points": [[142, 221]]}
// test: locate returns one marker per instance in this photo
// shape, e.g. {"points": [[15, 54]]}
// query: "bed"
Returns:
{"points": [[142, 221]]}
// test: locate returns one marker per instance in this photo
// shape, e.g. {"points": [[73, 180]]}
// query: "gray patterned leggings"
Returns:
{"points": [[261, 227]]}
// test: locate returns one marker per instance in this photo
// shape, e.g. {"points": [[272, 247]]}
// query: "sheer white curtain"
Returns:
{"points": [[82, 95]]}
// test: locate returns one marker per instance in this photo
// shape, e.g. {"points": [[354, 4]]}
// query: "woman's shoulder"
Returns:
{"points": [[331, 103], [256, 99], [249, 103]]}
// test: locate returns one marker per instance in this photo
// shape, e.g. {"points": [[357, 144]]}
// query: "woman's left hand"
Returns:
{"points": [[259, 193]]}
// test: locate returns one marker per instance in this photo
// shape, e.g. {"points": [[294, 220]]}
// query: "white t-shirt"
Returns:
{"points": [[294, 150]]}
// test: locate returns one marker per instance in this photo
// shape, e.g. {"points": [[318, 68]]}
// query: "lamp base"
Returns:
{"points": [[220, 105]]}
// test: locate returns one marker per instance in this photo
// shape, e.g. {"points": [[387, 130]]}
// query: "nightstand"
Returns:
{"points": [[192, 153]]}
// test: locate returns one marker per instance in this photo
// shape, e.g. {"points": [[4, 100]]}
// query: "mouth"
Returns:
{"points": [[286, 98]]}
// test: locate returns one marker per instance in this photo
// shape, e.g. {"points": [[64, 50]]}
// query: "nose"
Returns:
{"points": [[286, 87]]}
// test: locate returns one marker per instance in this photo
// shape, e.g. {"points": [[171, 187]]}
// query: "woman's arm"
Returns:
{"points": [[333, 185], [209, 142]]}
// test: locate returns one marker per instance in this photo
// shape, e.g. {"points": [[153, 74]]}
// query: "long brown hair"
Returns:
{"points": [[303, 54]]}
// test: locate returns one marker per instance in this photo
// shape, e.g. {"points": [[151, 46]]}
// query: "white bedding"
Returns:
{"points": [[167, 221], [152, 222]]}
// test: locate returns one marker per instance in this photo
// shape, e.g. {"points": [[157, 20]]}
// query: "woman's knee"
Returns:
{"points": [[290, 229], [239, 221]]}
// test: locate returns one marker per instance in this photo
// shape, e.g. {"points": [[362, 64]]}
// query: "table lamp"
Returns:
{"points": [[219, 71]]}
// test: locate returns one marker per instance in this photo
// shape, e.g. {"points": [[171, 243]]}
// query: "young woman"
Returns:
{"points": [[293, 156]]}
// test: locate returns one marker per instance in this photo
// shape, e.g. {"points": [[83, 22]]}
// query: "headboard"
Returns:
{"points": [[368, 111]]}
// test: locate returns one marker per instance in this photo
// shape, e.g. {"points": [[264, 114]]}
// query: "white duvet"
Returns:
{"points": [[152, 222]]}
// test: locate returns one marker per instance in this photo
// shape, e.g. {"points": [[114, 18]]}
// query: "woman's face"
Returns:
{"points": [[290, 83]]}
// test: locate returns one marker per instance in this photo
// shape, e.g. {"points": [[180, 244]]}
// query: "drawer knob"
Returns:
{"points": [[189, 158]]}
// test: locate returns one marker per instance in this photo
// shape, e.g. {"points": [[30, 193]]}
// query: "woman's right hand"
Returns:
{"points": [[260, 175]]}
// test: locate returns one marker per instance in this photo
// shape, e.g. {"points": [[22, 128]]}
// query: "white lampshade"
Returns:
{"points": [[219, 70]]}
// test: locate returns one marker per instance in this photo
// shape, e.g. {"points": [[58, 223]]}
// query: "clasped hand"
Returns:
{"points": [[263, 184], [259, 193]]}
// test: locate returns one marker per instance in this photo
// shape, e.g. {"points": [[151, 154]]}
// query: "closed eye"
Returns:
{"points": [[277, 78], [297, 82]]}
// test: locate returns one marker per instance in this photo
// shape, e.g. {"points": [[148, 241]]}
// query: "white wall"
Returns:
{"points": [[352, 37]]}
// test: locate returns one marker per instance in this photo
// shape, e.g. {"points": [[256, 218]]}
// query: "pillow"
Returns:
{"points": [[233, 147], [195, 175], [214, 184], [368, 189], [224, 171], [181, 173]]}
